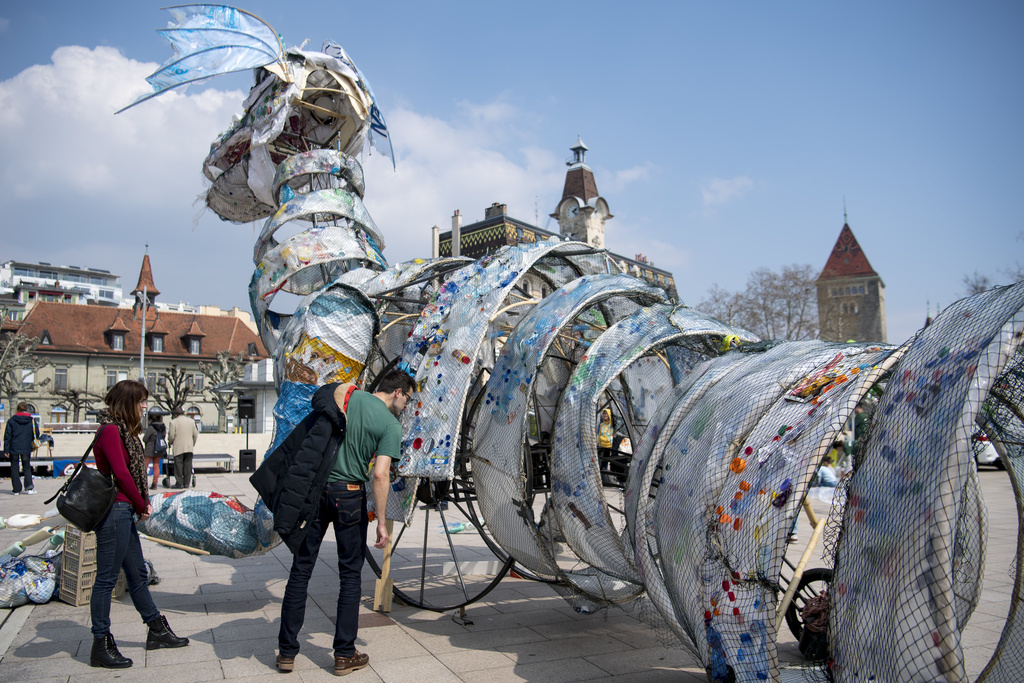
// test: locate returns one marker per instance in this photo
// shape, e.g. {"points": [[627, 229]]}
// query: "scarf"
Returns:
{"points": [[136, 455]]}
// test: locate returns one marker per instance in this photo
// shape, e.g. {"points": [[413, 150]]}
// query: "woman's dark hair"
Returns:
{"points": [[156, 416], [123, 400]]}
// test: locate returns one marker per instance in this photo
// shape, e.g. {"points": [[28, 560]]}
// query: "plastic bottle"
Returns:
{"points": [[14, 549], [455, 527]]}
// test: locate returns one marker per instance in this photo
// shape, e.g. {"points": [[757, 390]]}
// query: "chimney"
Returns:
{"points": [[495, 209], [435, 249], [457, 234]]}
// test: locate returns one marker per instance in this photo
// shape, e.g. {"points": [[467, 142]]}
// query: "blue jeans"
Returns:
{"points": [[117, 547], [25, 460], [347, 511]]}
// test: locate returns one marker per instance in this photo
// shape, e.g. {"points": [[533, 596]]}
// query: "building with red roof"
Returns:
{"points": [[92, 347], [851, 295]]}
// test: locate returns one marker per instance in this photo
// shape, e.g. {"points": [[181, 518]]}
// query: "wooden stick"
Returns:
{"points": [[383, 590], [172, 544], [798, 573]]}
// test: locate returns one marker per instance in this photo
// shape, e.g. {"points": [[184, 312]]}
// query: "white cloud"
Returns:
{"points": [[58, 130], [615, 182], [719, 191], [443, 166]]}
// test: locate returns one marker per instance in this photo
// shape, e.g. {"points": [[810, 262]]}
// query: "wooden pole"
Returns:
{"points": [[172, 544], [383, 590]]}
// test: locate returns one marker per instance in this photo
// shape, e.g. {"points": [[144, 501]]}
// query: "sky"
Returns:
{"points": [[725, 137]]}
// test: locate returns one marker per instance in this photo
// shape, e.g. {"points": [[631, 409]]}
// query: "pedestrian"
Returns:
{"points": [[181, 437], [155, 441], [119, 453], [19, 441], [318, 476]]}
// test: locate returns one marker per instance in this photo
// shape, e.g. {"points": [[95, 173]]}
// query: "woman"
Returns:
{"points": [[156, 435], [119, 453]]}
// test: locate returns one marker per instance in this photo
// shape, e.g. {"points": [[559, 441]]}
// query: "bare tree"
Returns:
{"points": [[79, 399], [976, 284], [729, 307], [228, 368], [17, 359], [173, 388], [774, 305]]}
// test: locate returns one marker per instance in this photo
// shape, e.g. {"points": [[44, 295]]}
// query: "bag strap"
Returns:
{"points": [[78, 467]]}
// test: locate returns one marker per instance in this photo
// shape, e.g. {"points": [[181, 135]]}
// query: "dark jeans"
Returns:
{"points": [[25, 460], [117, 547], [182, 470], [347, 511]]}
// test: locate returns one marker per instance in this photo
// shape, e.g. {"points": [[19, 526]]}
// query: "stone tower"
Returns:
{"points": [[581, 213], [851, 295]]}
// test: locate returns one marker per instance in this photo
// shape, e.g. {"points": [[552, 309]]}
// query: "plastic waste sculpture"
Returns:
{"points": [[517, 353]]}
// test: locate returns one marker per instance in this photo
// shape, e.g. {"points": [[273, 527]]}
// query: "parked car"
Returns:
{"points": [[984, 452]]}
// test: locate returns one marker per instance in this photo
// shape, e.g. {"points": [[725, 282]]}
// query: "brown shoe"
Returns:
{"points": [[346, 665], [285, 664]]}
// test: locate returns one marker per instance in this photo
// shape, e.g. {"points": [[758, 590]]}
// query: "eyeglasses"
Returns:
{"points": [[408, 395]]}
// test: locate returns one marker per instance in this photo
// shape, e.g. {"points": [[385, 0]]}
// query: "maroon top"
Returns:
{"points": [[112, 458]]}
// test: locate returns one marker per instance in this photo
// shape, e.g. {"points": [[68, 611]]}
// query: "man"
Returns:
{"points": [[318, 476], [181, 437], [19, 438]]}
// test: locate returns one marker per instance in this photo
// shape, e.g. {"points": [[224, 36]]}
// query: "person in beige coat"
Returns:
{"points": [[181, 437]]}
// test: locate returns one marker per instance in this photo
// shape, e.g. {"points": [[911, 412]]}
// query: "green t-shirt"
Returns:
{"points": [[370, 429]]}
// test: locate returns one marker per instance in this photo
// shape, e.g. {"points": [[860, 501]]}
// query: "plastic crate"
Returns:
{"points": [[76, 587], [79, 542], [74, 565]]}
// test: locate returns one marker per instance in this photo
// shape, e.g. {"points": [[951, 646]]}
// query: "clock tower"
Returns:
{"points": [[581, 213]]}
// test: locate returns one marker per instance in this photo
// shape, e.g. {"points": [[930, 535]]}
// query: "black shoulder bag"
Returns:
{"points": [[86, 497]]}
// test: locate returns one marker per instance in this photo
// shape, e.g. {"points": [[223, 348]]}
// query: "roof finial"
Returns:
{"points": [[845, 220]]}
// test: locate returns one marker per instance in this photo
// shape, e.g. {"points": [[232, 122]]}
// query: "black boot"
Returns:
{"points": [[105, 654], [161, 635]]}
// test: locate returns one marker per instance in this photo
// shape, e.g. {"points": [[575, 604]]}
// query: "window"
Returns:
{"points": [[860, 290], [48, 274], [58, 414], [24, 272], [151, 381], [157, 342], [161, 382], [251, 349], [194, 346], [107, 294], [102, 281], [28, 378], [111, 379], [117, 341], [60, 379], [197, 383]]}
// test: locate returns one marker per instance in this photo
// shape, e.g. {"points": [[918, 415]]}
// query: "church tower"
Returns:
{"points": [[851, 295], [581, 213], [146, 283]]}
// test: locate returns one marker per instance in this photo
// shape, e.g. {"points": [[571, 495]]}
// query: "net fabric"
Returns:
{"points": [[441, 350], [746, 453], [209, 521], [918, 453], [578, 495], [327, 340], [498, 466], [318, 102], [1003, 420]]}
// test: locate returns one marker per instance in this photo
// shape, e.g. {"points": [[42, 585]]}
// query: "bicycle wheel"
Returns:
{"points": [[812, 583]]}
